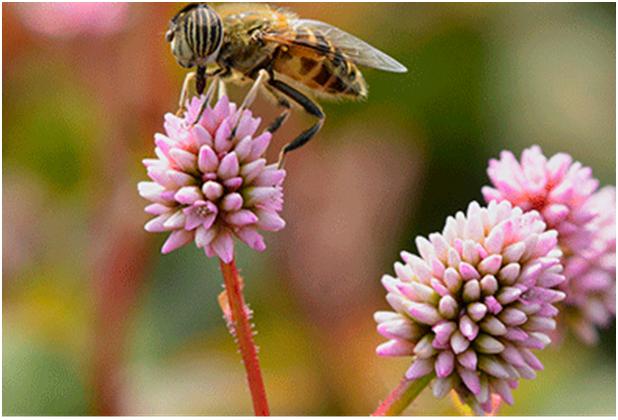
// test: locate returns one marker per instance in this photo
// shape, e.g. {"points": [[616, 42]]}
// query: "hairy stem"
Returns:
{"points": [[241, 328], [402, 396]]}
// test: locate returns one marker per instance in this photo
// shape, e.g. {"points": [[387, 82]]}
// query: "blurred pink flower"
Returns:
{"points": [[591, 272], [475, 303], [65, 20], [208, 187], [563, 192], [558, 188]]}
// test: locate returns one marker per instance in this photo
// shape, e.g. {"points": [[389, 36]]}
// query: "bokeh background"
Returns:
{"points": [[96, 321]]}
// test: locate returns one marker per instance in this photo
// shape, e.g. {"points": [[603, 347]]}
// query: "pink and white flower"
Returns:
{"points": [[557, 187], [591, 272], [209, 187], [564, 192], [475, 302]]}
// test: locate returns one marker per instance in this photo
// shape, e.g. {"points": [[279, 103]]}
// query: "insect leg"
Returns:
{"points": [[209, 94], [222, 73], [184, 93], [222, 89], [216, 82], [251, 95], [309, 106], [287, 110]]}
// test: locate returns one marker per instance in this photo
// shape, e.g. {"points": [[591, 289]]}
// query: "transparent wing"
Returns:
{"points": [[353, 48]]}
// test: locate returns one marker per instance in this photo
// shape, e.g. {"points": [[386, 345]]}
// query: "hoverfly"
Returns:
{"points": [[291, 58]]}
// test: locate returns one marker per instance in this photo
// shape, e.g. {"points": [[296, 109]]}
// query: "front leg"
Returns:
{"points": [[209, 94], [216, 82], [184, 93], [222, 91]]}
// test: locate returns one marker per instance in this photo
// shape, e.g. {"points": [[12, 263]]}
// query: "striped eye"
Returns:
{"points": [[203, 32], [195, 35]]}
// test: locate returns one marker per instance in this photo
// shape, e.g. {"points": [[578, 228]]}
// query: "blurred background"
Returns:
{"points": [[96, 321]]}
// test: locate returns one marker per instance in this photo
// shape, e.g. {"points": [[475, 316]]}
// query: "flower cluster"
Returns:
{"points": [[475, 303], [563, 192], [558, 188], [591, 272], [209, 186]]}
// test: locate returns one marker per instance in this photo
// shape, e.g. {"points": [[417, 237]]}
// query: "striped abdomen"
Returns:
{"points": [[322, 68]]}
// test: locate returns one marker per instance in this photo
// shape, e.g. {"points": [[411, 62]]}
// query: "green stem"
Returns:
{"points": [[402, 396]]}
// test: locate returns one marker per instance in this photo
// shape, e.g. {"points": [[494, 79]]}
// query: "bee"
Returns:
{"points": [[292, 59]]}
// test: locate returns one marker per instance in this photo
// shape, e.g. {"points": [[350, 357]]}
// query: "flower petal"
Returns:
{"points": [[177, 239], [223, 246]]}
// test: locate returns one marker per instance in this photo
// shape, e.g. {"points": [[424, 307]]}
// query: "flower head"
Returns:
{"points": [[563, 192], [475, 302], [591, 272], [209, 187], [557, 187]]}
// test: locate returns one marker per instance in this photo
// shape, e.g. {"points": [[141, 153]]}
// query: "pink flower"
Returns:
{"points": [[563, 192], [66, 20], [209, 188], [591, 272], [475, 303], [557, 187]]}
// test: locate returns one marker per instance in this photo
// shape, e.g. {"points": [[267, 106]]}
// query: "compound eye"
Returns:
{"points": [[169, 35]]}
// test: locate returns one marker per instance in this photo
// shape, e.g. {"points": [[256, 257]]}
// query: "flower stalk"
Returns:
{"points": [[402, 396], [238, 320]]}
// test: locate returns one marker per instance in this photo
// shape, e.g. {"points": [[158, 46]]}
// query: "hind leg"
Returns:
{"points": [[282, 102], [310, 106]]}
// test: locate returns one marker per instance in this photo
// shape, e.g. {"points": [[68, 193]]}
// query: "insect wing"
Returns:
{"points": [[353, 48]]}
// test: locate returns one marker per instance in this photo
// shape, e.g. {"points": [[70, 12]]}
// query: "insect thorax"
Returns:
{"points": [[242, 50]]}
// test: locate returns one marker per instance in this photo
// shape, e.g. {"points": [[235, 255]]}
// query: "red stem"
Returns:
{"points": [[402, 396], [244, 336]]}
